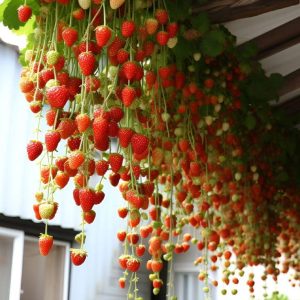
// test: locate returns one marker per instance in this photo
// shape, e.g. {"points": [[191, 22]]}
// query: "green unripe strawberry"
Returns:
{"points": [[52, 57]]}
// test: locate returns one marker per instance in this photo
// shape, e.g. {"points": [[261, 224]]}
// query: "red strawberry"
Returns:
{"points": [[128, 95], [122, 282], [83, 122], [76, 196], [125, 135], [115, 46], [148, 48], [100, 128], [172, 29], [151, 25], [70, 36], [74, 143], [36, 211], [57, 96], [115, 160], [86, 197], [129, 69], [115, 4], [140, 250], [113, 129], [121, 236], [133, 264], [34, 149], [103, 34], [87, 63], [24, 13], [116, 114], [45, 244], [66, 128], [78, 256], [98, 198], [162, 38], [128, 28], [161, 16], [150, 79], [114, 179], [89, 216], [78, 14], [52, 139], [61, 179], [35, 106], [101, 167], [122, 211], [76, 159], [139, 143], [122, 56], [59, 162]]}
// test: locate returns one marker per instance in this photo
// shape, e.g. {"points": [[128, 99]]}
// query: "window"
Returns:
{"points": [[24, 273]]}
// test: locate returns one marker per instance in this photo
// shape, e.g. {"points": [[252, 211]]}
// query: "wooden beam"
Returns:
{"points": [[291, 83], [277, 39], [221, 11], [291, 106]]}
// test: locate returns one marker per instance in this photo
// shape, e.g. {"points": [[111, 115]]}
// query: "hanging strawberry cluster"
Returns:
{"points": [[169, 133]]}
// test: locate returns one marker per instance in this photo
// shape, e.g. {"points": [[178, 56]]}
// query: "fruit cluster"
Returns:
{"points": [[169, 135]]}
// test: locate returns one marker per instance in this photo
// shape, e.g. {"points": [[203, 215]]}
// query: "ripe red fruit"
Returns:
{"points": [[122, 211], [34, 149], [129, 70], [86, 197], [162, 38], [122, 56], [116, 114], [127, 28], [103, 34], [114, 179], [45, 244], [101, 167], [98, 197], [83, 122], [52, 139], [125, 135], [172, 29], [78, 256], [89, 216], [133, 264], [122, 282], [76, 159], [128, 95], [66, 128], [24, 13], [70, 36], [140, 250], [121, 236], [87, 63], [161, 16], [115, 160], [151, 25], [139, 143], [61, 179], [57, 96], [100, 129]]}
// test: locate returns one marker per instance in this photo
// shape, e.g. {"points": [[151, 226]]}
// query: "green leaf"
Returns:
{"points": [[213, 43], [201, 22], [250, 122], [179, 10], [249, 50], [3, 6], [183, 49], [27, 28]]}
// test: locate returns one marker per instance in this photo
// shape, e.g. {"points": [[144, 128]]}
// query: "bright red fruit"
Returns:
{"points": [[103, 34], [34, 149], [115, 160], [52, 139], [24, 13], [45, 244], [70, 36], [57, 96], [87, 63], [139, 143], [128, 28], [78, 256]]}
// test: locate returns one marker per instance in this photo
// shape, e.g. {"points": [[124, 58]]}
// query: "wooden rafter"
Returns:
{"points": [[291, 83], [277, 39], [292, 106], [221, 11]]}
